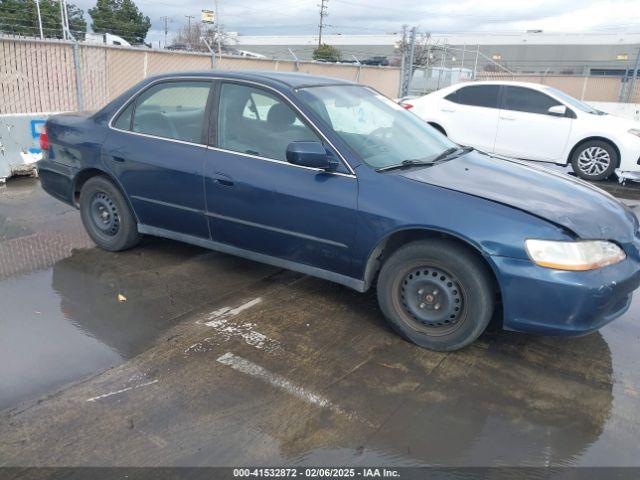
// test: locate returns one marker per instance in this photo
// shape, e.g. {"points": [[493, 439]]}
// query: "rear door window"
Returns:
{"points": [[476, 96], [522, 99], [172, 110]]}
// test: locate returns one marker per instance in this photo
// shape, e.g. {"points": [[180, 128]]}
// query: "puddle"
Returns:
{"points": [[42, 347]]}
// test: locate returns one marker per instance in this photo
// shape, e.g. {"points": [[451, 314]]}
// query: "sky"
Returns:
{"points": [[289, 17]]}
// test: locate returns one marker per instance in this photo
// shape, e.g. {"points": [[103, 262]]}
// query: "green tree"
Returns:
{"points": [[20, 17], [327, 53], [122, 18]]}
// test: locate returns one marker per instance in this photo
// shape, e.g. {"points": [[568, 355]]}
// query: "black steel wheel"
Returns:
{"points": [[106, 215], [433, 299], [437, 293]]}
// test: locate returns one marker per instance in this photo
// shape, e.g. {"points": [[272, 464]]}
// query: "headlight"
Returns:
{"points": [[586, 255], [635, 131]]}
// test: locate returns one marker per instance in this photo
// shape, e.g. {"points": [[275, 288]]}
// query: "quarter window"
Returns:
{"points": [[123, 122], [253, 121], [172, 110], [523, 99], [476, 96]]}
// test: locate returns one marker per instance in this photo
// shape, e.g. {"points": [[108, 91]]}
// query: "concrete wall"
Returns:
{"points": [[19, 143]]}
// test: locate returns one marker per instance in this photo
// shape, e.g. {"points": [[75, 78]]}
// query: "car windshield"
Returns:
{"points": [[573, 102], [379, 130]]}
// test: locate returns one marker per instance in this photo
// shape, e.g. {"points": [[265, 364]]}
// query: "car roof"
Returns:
{"points": [[289, 79], [536, 86]]}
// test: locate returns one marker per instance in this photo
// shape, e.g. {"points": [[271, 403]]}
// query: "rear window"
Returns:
{"points": [[476, 96]]}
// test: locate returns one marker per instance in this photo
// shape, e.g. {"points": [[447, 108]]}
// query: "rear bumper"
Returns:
{"points": [[554, 302], [57, 180]]}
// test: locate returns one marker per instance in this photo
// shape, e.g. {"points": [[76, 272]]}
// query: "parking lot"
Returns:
{"points": [[169, 354]]}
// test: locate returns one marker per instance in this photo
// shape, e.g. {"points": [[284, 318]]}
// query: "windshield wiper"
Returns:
{"points": [[431, 161], [445, 154], [404, 164]]}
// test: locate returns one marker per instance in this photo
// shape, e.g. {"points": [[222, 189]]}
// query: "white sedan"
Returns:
{"points": [[534, 122]]}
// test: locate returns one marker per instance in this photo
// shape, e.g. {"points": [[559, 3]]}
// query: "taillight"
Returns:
{"points": [[44, 139], [407, 106]]}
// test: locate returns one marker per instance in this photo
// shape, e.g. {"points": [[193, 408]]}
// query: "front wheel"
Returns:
{"points": [[437, 294], [594, 160], [106, 215]]}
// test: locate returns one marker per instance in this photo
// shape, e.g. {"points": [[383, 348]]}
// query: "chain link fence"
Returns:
{"points": [[444, 65], [59, 75]]}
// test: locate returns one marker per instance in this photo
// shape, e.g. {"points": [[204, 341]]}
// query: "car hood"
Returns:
{"points": [[573, 204], [613, 122]]}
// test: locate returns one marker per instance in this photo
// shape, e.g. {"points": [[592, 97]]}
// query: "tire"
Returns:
{"points": [[436, 294], [594, 160], [106, 215]]}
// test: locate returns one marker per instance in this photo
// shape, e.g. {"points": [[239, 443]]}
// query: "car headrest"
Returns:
{"points": [[280, 115]]}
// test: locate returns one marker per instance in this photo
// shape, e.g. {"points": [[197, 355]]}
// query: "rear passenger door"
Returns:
{"points": [[258, 201], [471, 115], [156, 150], [527, 129]]}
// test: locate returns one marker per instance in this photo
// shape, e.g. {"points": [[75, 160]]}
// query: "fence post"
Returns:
{"points": [[475, 65], [584, 87], [632, 89], [145, 65], [296, 65], [78, 72]]}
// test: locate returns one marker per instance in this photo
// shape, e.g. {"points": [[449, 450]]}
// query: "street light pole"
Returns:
{"points": [[39, 18], [64, 32]]}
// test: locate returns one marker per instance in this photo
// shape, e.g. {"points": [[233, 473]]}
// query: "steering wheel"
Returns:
{"points": [[382, 133]]}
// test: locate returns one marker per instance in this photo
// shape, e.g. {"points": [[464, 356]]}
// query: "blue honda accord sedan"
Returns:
{"points": [[334, 180]]}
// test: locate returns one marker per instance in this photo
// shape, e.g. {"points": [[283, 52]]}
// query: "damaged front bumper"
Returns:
{"points": [[624, 176]]}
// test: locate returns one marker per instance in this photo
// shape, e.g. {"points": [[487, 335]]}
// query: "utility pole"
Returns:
{"points": [[165, 21], [403, 60], [64, 18], [189, 17], [218, 30], [323, 13], [408, 52]]}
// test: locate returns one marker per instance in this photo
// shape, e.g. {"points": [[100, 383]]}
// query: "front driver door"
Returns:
{"points": [[258, 201], [527, 130]]}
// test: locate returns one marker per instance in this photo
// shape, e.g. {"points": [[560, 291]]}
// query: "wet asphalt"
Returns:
{"points": [[171, 355]]}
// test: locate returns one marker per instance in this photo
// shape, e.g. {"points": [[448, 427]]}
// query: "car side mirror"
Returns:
{"points": [[310, 154], [557, 111]]}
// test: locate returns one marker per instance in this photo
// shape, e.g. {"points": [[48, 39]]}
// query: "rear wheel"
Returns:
{"points": [[437, 294], [594, 160], [106, 215]]}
